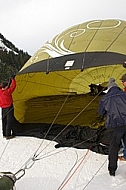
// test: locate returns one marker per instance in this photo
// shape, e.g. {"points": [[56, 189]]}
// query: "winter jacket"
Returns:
{"points": [[6, 95], [113, 106]]}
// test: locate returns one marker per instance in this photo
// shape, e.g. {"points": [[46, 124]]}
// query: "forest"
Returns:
{"points": [[11, 58]]}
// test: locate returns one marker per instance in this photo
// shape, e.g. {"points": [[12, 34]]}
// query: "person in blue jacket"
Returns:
{"points": [[123, 157], [113, 106]]}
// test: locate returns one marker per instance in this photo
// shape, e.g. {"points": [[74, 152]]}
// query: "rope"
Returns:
{"points": [[68, 124], [4, 149], [31, 161], [94, 174], [35, 155], [83, 158], [115, 38], [69, 171], [66, 148]]}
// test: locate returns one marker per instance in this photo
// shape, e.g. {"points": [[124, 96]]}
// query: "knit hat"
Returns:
{"points": [[111, 83], [123, 78]]}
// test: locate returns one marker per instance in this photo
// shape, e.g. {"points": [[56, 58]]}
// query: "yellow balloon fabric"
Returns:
{"points": [[53, 86]]}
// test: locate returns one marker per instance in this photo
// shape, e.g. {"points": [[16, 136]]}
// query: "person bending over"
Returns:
{"points": [[113, 106]]}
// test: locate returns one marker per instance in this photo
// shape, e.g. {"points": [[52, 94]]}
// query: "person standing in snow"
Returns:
{"points": [[123, 79], [113, 106], [6, 103]]}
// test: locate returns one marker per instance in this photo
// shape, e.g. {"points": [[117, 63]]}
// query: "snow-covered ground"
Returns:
{"points": [[62, 168]]}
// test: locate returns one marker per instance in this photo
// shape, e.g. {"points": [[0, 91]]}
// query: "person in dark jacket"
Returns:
{"points": [[6, 103], [123, 79], [113, 106]]}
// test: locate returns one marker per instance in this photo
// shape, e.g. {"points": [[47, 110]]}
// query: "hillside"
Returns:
{"points": [[11, 58]]}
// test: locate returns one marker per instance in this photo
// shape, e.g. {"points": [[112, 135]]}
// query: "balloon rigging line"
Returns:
{"points": [[77, 83], [35, 155], [53, 85], [26, 167], [66, 79], [84, 56], [72, 120], [51, 125], [73, 37], [95, 174], [4, 149], [49, 69], [29, 163], [62, 77], [34, 159], [45, 84], [83, 61], [93, 36], [69, 171], [56, 137], [73, 146], [5, 115], [115, 38], [66, 181], [28, 92], [78, 114]]}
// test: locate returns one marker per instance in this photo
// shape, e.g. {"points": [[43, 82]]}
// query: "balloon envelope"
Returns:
{"points": [[53, 86]]}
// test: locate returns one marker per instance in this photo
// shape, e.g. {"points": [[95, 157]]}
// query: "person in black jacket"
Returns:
{"points": [[113, 106]]}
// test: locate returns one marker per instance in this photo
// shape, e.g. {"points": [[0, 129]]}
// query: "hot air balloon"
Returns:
{"points": [[54, 86]]}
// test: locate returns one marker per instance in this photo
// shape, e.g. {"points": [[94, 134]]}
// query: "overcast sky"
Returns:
{"points": [[28, 24]]}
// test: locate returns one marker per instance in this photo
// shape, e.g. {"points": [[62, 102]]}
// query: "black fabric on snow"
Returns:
{"points": [[77, 137]]}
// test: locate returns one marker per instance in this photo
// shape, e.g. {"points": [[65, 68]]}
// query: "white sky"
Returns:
{"points": [[28, 24]]}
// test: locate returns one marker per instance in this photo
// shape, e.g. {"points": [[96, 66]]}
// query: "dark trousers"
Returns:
{"points": [[115, 143], [8, 121]]}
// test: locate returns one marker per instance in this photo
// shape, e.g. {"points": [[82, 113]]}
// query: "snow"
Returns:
{"points": [[57, 169], [4, 47]]}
